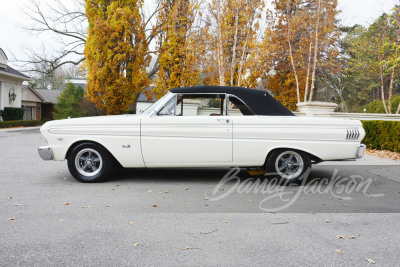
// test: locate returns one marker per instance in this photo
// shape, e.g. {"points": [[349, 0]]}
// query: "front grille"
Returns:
{"points": [[352, 134]]}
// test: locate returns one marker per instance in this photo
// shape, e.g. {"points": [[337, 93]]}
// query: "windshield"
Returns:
{"points": [[157, 104]]}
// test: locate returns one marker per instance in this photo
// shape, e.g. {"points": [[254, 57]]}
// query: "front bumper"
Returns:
{"points": [[361, 150], [45, 153]]}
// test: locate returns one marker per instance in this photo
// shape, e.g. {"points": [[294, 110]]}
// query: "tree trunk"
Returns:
{"points": [[390, 91], [250, 26], [308, 68], [291, 53], [315, 53], [234, 46], [382, 89], [219, 46]]}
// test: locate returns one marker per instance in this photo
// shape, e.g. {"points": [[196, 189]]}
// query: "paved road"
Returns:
{"points": [[48, 218]]}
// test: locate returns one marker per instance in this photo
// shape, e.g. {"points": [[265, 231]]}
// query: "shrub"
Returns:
{"points": [[67, 105], [384, 135], [9, 124], [13, 114], [376, 106]]}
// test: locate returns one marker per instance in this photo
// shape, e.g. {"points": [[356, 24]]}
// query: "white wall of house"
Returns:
{"points": [[8, 84]]}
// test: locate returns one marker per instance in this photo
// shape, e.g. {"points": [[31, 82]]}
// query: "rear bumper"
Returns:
{"points": [[45, 153], [361, 150]]}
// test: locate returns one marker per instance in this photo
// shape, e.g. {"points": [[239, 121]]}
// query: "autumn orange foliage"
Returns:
{"points": [[116, 54]]}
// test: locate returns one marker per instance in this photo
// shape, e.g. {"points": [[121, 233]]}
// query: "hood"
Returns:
{"points": [[92, 121]]}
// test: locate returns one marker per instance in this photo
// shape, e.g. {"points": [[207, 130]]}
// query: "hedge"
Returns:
{"points": [[383, 135], [12, 114], [9, 124]]}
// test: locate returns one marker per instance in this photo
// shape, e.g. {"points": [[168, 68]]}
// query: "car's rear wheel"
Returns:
{"points": [[290, 166], [89, 163]]}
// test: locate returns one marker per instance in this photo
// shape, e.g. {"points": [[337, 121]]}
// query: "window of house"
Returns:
{"points": [[27, 112]]}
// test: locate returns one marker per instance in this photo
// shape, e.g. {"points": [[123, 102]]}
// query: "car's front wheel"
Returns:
{"points": [[290, 166], [89, 162]]}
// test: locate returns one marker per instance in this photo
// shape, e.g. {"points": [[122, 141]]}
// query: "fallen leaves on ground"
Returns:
{"points": [[370, 261], [338, 251], [206, 233], [386, 154]]}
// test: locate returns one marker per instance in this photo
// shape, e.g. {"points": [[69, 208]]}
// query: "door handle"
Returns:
{"points": [[226, 120]]}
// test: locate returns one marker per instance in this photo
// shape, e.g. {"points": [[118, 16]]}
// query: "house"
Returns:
{"points": [[10, 84], [50, 99], [31, 102]]}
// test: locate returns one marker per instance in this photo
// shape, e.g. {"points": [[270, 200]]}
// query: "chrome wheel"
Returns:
{"points": [[88, 162], [289, 165]]}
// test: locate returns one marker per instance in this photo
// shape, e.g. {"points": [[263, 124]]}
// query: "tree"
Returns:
{"points": [[68, 102], [116, 54], [66, 21], [234, 41], [180, 45], [374, 58], [302, 42]]}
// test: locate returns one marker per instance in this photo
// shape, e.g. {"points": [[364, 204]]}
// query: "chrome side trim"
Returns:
{"points": [[45, 153], [352, 134]]}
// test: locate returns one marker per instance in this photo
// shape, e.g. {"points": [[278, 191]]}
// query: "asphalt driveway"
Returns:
{"points": [[344, 214]]}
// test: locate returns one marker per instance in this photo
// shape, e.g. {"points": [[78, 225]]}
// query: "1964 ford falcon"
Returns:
{"points": [[203, 126]]}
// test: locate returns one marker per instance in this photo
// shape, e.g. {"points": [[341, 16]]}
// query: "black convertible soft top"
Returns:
{"points": [[260, 102]]}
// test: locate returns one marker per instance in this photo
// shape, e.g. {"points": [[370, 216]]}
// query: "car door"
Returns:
{"points": [[188, 135]]}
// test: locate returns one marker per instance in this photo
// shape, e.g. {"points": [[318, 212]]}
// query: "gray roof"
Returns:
{"points": [[12, 71], [51, 96], [34, 91]]}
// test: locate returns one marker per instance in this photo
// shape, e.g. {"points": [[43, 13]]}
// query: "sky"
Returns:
{"points": [[14, 40]]}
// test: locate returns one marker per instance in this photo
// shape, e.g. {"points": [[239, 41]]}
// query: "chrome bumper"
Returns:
{"points": [[361, 150], [45, 153]]}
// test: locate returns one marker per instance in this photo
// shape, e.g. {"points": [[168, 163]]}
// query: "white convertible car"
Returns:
{"points": [[203, 126]]}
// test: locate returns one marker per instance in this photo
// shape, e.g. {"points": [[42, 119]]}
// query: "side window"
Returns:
{"points": [[201, 105], [237, 108], [169, 108]]}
